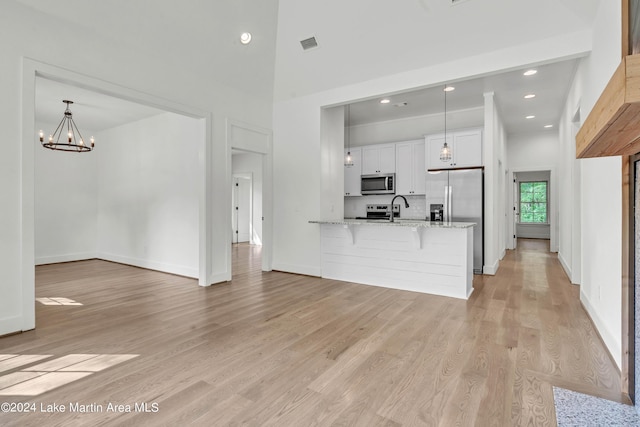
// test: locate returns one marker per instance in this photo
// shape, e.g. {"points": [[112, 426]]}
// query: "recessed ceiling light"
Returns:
{"points": [[385, 101], [530, 117], [548, 126], [530, 72], [529, 96], [245, 38], [449, 88]]}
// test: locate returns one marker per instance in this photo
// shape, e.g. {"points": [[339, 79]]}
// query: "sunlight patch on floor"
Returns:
{"points": [[45, 376], [57, 301]]}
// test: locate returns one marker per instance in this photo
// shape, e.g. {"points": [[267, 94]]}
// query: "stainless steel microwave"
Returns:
{"points": [[382, 183]]}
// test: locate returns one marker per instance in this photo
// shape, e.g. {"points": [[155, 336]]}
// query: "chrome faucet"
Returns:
{"points": [[406, 205]]}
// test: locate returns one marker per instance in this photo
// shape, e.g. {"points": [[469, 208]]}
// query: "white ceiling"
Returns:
{"points": [[91, 110], [177, 30], [364, 40], [95, 111], [201, 35], [550, 85]]}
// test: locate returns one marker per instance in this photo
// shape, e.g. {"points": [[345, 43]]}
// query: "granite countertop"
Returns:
{"points": [[398, 222]]}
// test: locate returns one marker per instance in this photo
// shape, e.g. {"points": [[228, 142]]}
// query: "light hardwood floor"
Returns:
{"points": [[287, 350]]}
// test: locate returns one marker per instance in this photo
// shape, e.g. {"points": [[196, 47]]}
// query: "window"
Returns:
{"points": [[533, 202]]}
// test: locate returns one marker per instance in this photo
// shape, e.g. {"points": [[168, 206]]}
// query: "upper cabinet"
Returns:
{"points": [[378, 159], [466, 148], [410, 170], [352, 173]]}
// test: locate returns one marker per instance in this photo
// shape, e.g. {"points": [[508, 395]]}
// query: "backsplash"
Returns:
{"points": [[356, 206]]}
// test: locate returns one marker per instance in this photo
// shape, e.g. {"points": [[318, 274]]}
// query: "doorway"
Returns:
{"points": [[532, 211], [242, 208], [250, 156], [31, 70], [247, 209]]}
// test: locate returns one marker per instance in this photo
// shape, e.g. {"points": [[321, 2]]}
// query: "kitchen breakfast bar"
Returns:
{"points": [[413, 255]]}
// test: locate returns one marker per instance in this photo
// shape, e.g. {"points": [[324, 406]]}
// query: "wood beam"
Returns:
{"points": [[613, 126]]}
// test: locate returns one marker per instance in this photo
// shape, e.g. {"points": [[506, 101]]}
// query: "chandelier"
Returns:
{"points": [[72, 141]]}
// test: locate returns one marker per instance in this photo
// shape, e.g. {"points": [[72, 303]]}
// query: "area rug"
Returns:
{"points": [[576, 409]]}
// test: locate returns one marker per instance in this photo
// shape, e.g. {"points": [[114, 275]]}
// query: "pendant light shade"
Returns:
{"points": [[72, 139], [348, 160], [445, 151]]}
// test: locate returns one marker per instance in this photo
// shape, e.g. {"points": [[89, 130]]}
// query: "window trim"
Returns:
{"points": [[546, 222]]}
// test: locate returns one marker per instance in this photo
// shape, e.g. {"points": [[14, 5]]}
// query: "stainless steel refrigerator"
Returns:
{"points": [[458, 195]]}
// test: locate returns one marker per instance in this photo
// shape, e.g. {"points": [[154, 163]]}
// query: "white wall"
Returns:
{"points": [[148, 187], [569, 177], [414, 127], [124, 63], [252, 163], [332, 143], [601, 184], [533, 151], [495, 164], [600, 197], [66, 203], [601, 288], [134, 199]]}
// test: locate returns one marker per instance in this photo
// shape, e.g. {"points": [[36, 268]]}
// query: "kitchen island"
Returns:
{"points": [[413, 255]]}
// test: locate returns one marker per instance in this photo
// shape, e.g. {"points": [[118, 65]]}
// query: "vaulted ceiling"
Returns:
{"points": [[362, 40], [358, 40]]}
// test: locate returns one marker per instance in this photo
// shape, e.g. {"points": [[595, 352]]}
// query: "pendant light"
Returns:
{"points": [[72, 141], [445, 151], [348, 160]]}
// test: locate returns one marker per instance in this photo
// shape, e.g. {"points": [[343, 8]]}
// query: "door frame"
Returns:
{"points": [[256, 140], [553, 202], [516, 210], [32, 69], [629, 285], [248, 176]]}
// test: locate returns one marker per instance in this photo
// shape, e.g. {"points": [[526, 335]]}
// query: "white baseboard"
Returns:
{"points": [[491, 269], [565, 266], [613, 345], [152, 265], [307, 270], [79, 256]]}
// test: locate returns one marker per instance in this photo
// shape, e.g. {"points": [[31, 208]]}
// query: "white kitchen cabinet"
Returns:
{"points": [[466, 149], [352, 173], [410, 170], [378, 159]]}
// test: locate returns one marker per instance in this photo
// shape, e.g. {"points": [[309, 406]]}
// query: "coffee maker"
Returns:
{"points": [[437, 212]]}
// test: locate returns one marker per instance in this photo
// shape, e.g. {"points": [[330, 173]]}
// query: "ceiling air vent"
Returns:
{"points": [[309, 43]]}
